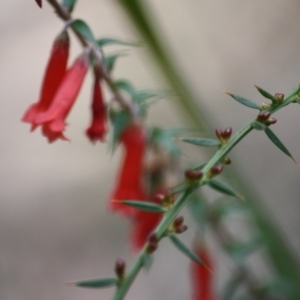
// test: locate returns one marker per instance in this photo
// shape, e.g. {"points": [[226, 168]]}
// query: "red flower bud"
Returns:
{"points": [[216, 170], [181, 228], [193, 174], [178, 221], [53, 119], [227, 132], [120, 268], [97, 129], [263, 116], [54, 74], [201, 275], [153, 243], [130, 181]]}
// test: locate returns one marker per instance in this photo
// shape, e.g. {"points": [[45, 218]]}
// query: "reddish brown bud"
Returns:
{"points": [[271, 121], [152, 243], [178, 221], [180, 229], [263, 116], [216, 170], [159, 198], [227, 132], [279, 97], [193, 174], [120, 268], [219, 133]]}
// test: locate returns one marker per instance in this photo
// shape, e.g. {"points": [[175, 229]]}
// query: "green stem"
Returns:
{"points": [[172, 213]]}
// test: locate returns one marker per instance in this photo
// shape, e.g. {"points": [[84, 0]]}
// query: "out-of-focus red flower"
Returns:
{"points": [[130, 180], [54, 74], [201, 275], [53, 120], [143, 225], [97, 129]]}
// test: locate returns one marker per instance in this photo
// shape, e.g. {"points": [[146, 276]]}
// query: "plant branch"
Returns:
{"points": [[171, 214], [66, 16]]}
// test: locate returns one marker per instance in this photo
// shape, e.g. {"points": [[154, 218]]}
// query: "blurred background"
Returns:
{"points": [[54, 225]]}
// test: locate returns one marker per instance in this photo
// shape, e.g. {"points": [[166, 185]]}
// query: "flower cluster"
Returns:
{"points": [[60, 88]]}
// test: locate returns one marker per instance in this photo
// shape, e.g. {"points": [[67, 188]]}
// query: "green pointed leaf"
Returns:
{"points": [[245, 101], [125, 86], [294, 92], [111, 59], [258, 126], [298, 100], [265, 94], [145, 206], [223, 188], [201, 141], [83, 29], [112, 41], [271, 135], [69, 4], [147, 260], [97, 283], [185, 250]]}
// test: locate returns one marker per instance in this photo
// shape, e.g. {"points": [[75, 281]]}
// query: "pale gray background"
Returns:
{"points": [[54, 225]]}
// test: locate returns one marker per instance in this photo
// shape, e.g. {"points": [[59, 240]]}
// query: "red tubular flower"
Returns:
{"points": [[143, 225], [97, 129], [54, 74], [202, 276], [130, 183], [53, 119]]}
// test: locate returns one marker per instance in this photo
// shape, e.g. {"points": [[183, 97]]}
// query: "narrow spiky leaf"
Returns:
{"points": [[271, 135], [245, 101], [83, 29], [201, 141], [97, 283], [223, 188], [298, 101], [145, 206], [265, 93], [185, 250], [69, 4], [112, 41]]}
